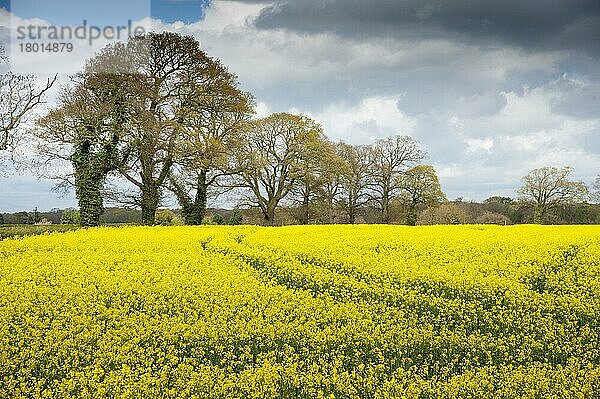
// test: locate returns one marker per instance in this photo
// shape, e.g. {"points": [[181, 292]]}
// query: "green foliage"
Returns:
{"points": [[236, 217], [22, 217], [218, 219], [85, 128], [447, 213], [493, 218], [208, 220], [498, 200], [420, 186], [166, 217], [549, 187], [70, 216], [354, 179], [318, 170], [121, 215], [34, 217], [91, 169], [269, 162]]}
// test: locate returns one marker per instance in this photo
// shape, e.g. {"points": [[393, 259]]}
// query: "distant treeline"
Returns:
{"points": [[494, 210], [55, 216]]}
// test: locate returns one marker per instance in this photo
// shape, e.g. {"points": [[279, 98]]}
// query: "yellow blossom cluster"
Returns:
{"points": [[302, 312]]}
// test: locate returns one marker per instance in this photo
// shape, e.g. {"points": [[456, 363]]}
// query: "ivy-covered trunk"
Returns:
{"points": [[411, 215], [196, 210], [192, 210], [89, 197], [90, 170]]}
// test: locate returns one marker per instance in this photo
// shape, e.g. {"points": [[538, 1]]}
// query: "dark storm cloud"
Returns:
{"points": [[531, 24]]}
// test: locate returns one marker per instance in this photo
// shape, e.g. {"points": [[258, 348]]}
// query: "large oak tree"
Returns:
{"points": [[318, 169], [549, 187], [268, 163], [354, 179], [212, 123], [390, 158], [174, 92], [420, 185], [84, 130]]}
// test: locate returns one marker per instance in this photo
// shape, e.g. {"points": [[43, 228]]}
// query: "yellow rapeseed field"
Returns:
{"points": [[302, 312]]}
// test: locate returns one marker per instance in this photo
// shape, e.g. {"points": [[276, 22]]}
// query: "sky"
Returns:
{"points": [[490, 89]]}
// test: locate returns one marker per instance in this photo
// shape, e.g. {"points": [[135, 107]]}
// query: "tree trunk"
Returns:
{"points": [[305, 204], [195, 212], [90, 203], [385, 209], [411, 216], [269, 214], [149, 204], [89, 179], [539, 213], [351, 209], [269, 219], [352, 216]]}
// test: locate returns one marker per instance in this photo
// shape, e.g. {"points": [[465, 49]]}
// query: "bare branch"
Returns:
{"points": [[18, 97]]}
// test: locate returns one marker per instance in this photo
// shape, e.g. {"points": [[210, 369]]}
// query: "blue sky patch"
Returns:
{"points": [[169, 11], [107, 12]]}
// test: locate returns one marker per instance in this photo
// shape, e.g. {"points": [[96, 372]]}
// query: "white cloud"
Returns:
{"points": [[262, 110], [371, 119]]}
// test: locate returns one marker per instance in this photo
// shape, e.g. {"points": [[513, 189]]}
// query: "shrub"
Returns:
{"points": [[235, 218], [166, 217], [70, 216], [218, 219], [447, 213], [493, 218]]}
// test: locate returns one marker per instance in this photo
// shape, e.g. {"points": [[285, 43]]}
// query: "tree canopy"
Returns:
{"points": [[268, 163], [420, 185], [549, 187]]}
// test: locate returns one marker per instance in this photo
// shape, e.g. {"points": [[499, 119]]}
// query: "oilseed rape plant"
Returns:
{"points": [[302, 312]]}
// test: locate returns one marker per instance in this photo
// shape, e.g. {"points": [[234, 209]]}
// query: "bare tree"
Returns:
{"points": [[390, 158], [596, 190], [267, 163], [549, 187], [19, 96], [318, 168], [354, 180]]}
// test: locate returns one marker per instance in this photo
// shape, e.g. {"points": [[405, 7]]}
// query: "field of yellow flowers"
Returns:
{"points": [[302, 312]]}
